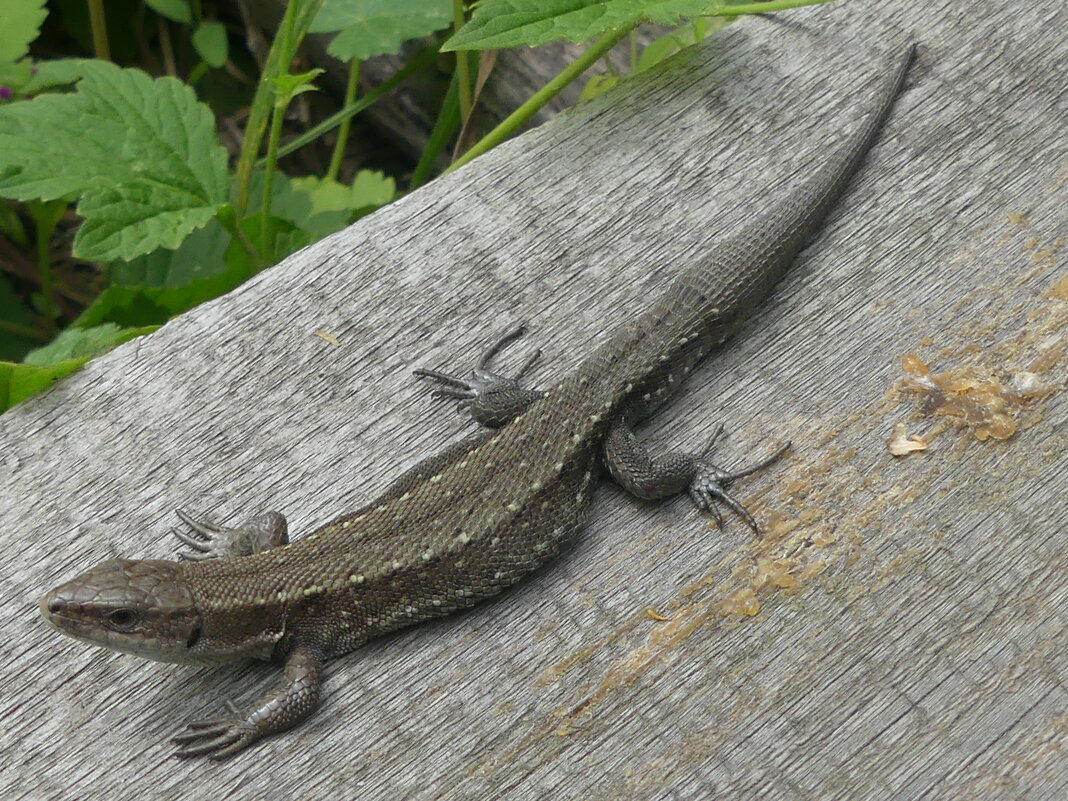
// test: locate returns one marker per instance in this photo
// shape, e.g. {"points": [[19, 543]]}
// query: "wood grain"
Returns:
{"points": [[917, 649]]}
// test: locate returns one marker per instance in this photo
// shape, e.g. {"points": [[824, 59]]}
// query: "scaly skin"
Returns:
{"points": [[462, 525]]}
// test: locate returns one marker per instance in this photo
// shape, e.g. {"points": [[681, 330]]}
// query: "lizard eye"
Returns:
{"points": [[122, 619]]}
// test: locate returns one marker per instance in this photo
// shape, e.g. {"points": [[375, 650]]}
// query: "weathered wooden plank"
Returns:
{"points": [[920, 649]]}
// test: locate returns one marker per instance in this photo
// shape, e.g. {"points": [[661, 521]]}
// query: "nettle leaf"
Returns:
{"points": [[199, 256], [141, 154], [20, 23], [511, 23], [49, 74], [378, 27]]}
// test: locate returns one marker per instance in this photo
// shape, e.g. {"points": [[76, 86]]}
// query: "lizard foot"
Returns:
{"points": [[492, 399], [710, 483], [209, 541], [217, 738]]}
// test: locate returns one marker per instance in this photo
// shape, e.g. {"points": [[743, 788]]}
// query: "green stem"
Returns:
{"points": [[99, 25], [228, 220], [45, 216], [763, 8], [517, 118], [346, 124], [463, 62], [423, 60], [445, 127], [198, 72], [268, 178], [298, 17]]}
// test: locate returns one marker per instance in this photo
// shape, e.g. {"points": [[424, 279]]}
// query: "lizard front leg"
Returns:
{"points": [[292, 702], [651, 477], [492, 399], [209, 541]]}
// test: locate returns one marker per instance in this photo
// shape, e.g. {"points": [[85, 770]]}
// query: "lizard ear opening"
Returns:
{"points": [[194, 637]]}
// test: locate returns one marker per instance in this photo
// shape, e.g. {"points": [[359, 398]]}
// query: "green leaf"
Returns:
{"points": [[11, 227], [20, 23], [321, 206], [511, 23], [178, 10], [139, 306], [598, 84], [65, 354], [209, 40], [378, 27], [152, 289], [289, 85], [370, 189], [140, 153], [77, 343], [13, 76], [199, 256], [48, 74], [682, 37], [19, 381], [283, 238]]}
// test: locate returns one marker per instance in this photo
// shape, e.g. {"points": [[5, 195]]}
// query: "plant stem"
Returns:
{"points": [[198, 72], [346, 124], [463, 62], [45, 216], [444, 127], [99, 25], [517, 118], [165, 46], [298, 17], [268, 179], [228, 220], [423, 60], [763, 8]]}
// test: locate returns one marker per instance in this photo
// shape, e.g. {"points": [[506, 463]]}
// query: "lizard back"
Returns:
{"points": [[487, 511]]}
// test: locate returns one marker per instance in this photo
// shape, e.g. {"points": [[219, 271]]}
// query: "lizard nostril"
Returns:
{"points": [[55, 606]]}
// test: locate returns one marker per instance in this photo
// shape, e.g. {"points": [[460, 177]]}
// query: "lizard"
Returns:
{"points": [[464, 524]]}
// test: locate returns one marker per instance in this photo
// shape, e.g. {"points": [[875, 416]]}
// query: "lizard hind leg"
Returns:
{"points": [[492, 399], [210, 541], [710, 483], [650, 477]]}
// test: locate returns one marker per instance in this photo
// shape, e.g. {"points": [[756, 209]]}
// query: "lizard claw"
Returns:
{"points": [[493, 399], [216, 738], [209, 541], [205, 541], [709, 485]]}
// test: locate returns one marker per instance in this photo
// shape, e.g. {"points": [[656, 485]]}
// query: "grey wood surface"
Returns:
{"points": [[918, 647]]}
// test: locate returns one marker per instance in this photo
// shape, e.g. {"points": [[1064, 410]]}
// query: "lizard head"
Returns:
{"points": [[139, 607]]}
